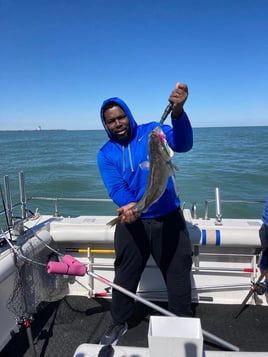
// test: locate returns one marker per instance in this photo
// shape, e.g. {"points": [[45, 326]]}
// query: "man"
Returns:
{"points": [[264, 243], [161, 230], [264, 227]]}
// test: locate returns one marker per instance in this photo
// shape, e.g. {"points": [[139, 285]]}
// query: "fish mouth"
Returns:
{"points": [[156, 132]]}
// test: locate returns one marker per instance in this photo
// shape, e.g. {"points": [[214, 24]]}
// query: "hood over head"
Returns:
{"points": [[125, 108]]}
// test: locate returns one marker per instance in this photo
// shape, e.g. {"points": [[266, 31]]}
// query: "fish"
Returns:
{"points": [[160, 168]]}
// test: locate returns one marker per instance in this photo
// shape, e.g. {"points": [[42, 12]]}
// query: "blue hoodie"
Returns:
{"points": [[265, 213], [122, 165]]}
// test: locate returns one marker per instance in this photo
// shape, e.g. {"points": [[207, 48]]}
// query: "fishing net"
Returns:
{"points": [[32, 283]]}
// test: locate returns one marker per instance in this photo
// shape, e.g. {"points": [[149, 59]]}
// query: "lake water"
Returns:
{"points": [[63, 164]]}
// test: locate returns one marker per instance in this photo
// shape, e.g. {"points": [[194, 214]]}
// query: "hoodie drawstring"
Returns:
{"points": [[124, 159], [130, 158]]}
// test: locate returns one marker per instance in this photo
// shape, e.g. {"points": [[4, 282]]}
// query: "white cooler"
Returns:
{"points": [[175, 337]]}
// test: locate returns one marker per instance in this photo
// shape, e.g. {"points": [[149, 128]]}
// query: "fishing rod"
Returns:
{"points": [[256, 287], [168, 109], [166, 112], [72, 266], [165, 312]]}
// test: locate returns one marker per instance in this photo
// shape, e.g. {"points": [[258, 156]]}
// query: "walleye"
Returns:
{"points": [[160, 168]]}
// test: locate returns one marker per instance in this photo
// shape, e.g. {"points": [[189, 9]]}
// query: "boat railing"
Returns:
{"points": [[69, 199], [8, 206], [218, 201]]}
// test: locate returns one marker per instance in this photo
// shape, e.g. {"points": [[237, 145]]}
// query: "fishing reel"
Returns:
{"points": [[259, 288], [24, 320]]}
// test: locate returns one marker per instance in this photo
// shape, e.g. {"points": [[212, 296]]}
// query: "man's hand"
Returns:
{"points": [[127, 214], [178, 97]]}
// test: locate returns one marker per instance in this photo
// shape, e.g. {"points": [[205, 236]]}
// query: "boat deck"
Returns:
{"points": [[60, 327]]}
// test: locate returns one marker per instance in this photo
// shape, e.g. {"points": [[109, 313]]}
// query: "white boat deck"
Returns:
{"points": [[225, 263], [90, 350]]}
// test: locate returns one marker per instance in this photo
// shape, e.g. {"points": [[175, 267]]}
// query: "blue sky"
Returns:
{"points": [[59, 59]]}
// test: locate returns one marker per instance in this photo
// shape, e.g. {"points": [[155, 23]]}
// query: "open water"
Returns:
{"points": [[63, 164]]}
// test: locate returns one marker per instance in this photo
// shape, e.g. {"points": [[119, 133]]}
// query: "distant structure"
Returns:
{"points": [[39, 128]]}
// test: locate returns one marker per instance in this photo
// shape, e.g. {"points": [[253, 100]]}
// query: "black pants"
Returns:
{"points": [[167, 239], [264, 235]]}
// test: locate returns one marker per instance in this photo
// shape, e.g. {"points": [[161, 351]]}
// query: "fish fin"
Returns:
{"points": [[175, 167], [172, 174], [170, 151], [174, 184], [113, 222]]}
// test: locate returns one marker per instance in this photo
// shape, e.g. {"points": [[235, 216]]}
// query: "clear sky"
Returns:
{"points": [[59, 59]]}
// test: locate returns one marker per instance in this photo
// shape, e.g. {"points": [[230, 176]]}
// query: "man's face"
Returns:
{"points": [[117, 123]]}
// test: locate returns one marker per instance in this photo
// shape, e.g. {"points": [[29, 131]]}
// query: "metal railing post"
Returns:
{"points": [[218, 206], [8, 201], [22, 194]]}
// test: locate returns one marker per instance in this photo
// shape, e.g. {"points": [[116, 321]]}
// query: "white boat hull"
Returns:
{"points": [[225, 263]]}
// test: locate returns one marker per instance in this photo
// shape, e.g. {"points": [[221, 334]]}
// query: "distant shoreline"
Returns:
{"points": [[200, 127], [31, 130]]}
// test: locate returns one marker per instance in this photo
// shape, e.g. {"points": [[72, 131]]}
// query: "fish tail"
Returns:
{"points": [[113, 222]]}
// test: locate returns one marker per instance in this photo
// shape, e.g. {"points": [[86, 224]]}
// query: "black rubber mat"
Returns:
{"points": [[60, 327]]}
